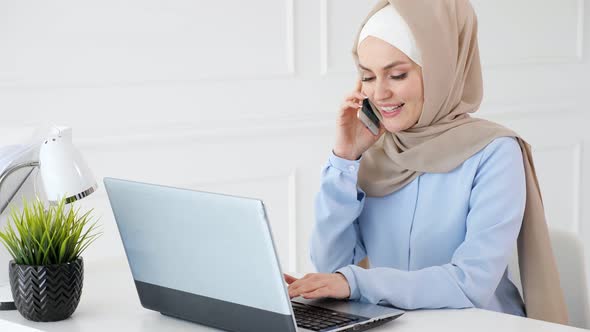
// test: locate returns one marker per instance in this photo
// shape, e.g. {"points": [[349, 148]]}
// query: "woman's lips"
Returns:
{"points": [[392, 114]]}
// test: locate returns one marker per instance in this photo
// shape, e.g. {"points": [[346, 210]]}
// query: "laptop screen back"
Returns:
{"points": [[212, 245]]}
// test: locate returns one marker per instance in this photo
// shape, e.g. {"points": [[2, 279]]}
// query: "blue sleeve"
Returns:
{"points": [[496, 209], [335, 239]]}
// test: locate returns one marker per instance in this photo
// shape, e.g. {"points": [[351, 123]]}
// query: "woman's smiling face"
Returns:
{"points": [[393, 83]]}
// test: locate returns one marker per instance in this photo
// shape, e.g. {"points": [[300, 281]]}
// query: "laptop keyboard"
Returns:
{"points": [[320, 319]]}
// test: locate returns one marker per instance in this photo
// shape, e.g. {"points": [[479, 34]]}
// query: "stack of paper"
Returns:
{"points": [[9, 153], [9, 156]]}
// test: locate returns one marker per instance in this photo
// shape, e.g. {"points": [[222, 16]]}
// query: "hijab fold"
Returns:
{"points": [[446, 135]]}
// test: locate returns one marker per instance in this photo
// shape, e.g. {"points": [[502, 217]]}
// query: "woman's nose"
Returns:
{"points": [[382, 91]]}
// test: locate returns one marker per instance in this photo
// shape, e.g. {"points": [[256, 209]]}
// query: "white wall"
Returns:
{"points": [[240, 96]]}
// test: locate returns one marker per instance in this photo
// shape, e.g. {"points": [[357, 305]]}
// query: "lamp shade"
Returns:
{"points": [[64, 171]]}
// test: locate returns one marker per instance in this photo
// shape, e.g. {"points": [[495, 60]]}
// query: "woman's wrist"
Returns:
{"points": [[347, 156]]}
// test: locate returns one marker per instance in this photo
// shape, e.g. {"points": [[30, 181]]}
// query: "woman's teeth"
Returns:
{"points": [[391, 108]]}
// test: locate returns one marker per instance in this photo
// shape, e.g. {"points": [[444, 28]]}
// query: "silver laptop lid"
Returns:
{"points": [[212, 245]]}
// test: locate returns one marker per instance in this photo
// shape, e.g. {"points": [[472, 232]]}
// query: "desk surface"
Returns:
{"points": [[110, 303]]}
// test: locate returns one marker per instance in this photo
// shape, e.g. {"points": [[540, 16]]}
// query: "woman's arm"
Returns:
{"points": [[496, 210], [335, 240]]}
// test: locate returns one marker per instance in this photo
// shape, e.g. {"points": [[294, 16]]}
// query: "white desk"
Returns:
{"points": [[110, 303]]}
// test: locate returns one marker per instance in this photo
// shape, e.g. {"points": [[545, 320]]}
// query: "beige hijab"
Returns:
{"points": [[445, 136]]}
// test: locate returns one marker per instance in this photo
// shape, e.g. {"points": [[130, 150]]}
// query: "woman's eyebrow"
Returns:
{"points": [[391, 65]]}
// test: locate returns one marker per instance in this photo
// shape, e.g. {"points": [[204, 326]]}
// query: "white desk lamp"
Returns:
{"points": [[64, 173]]}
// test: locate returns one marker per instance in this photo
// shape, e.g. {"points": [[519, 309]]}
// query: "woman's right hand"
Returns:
{"points": [[352, 137]]}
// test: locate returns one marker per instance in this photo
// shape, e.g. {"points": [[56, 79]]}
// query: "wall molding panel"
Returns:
{"points": [[536, 41], [145, 43]]}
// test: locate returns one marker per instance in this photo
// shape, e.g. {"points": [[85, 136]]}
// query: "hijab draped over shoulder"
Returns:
{"points": [[446, 135]]}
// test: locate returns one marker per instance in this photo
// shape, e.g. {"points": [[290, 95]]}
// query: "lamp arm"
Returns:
{"points": [[11, 170]]}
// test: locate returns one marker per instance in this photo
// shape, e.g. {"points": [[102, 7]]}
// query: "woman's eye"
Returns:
{"points": [[400, 77]]}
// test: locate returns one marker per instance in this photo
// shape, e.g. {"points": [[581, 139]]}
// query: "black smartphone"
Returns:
{"points": [[368, 117]]}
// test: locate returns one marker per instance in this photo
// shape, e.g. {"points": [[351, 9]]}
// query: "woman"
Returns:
{"points": [[437, 199]]}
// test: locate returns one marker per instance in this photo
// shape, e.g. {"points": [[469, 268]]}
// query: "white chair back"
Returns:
{"points": [[569, 254]]}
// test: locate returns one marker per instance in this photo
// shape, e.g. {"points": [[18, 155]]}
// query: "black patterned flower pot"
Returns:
{"points": [[47, 293]]}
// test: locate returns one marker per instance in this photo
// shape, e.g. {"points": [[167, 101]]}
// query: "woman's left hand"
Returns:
{"points": [[317, 285]]}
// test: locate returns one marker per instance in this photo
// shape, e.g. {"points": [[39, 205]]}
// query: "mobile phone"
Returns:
{"points": [[368, 117]]}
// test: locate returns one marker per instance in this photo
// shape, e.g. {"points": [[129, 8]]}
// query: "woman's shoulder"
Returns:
{"points": [[502, 152], [502, 146]]}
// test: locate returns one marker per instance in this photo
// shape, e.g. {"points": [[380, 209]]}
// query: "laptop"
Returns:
{"points": [[209, 258]]}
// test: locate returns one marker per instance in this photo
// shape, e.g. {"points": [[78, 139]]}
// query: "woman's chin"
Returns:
{"points": [[393, 126], [398, 124]]}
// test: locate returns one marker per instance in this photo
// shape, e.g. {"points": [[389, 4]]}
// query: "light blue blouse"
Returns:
{"points": [[442, 241]]}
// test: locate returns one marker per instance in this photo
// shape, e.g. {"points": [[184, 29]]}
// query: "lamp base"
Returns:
{"points": [[6, 301]]}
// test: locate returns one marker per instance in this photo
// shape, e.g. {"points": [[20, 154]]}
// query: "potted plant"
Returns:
{"points": [[46, 273]]}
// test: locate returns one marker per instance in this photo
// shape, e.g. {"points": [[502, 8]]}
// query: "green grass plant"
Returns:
{"points": [[37, 235]]}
